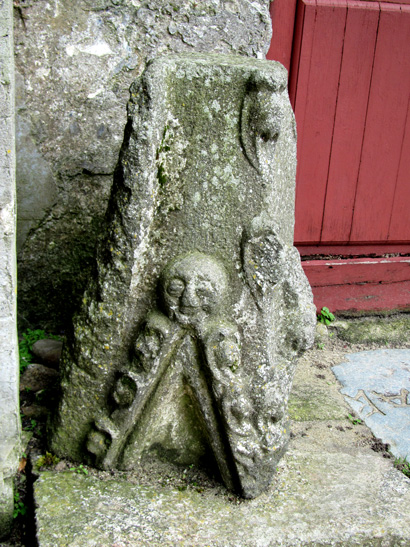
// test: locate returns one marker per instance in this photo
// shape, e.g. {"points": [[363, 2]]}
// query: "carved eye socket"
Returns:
{"points": [[267, 136], [176, 287], [204, 292]]}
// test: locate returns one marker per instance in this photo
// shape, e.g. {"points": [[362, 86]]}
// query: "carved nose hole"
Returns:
{"points": [[266, 137], [189, 296]]}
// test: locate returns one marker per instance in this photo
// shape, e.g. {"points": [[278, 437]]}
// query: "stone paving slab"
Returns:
{"points": [[376, 385], [330, 489], [319, 497]]}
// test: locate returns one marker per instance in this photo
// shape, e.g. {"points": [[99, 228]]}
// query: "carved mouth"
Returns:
{"points": [[189, 310]]}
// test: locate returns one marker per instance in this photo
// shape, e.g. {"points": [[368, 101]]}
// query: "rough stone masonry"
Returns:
{"points": [[187, 340], [75, 62], [9, 370]]}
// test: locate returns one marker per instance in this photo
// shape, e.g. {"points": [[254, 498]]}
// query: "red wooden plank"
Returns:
{"points": [[398, 2], [344, 272], [400, 220], [385, 126], [356, 71], [369, 298], [331, 3], [360, 285], [282, 13], [354, 250], [315, 111], [296, 53]]}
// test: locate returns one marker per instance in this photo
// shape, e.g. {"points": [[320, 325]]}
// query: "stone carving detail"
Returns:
{"points": [[194, 287], [196, 332], [153, 350], [187, 340], [261, 120], [397, 400]]}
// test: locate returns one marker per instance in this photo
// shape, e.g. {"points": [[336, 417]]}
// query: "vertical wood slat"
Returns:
{"points": [[385, 126], [360, 88], [400, 219], [296, 51], [282, 13], [355, 78], [315, 106]]}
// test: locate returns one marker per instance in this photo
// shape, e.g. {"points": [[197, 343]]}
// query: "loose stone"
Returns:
{"points": [[37, 377], [48, 351]]}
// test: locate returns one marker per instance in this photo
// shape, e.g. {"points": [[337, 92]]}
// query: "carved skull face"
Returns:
{"points": [[194, 287], [223, 345], [149, 342], [124, 391]]}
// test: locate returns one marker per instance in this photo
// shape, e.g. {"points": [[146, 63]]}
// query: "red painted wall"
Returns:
{"points": [[350, 87]]}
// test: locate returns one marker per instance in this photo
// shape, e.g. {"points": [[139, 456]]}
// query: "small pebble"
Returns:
{"points": [[61, 466], [48, 351], [37, 377], [34, 411]]}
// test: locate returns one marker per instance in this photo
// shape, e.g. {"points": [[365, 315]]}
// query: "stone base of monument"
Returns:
{"points": [[9, 457], [330, 488]]}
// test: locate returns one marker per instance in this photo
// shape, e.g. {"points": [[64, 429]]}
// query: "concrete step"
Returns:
{"points": [[321, 495], [331, 488]]}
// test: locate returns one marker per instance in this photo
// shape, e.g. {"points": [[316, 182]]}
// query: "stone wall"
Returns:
{"points": [[75, 61], [9, 414]]}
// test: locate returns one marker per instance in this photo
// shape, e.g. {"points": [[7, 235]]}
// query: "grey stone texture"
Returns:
{"points": [[376, 384], [75, 62], [322, 495], [331, 489], [9, 403], [187, 340]]}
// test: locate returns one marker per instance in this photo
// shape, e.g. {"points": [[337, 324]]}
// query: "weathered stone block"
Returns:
{"points": [[9, 401], [187, 340], [75, 62]]}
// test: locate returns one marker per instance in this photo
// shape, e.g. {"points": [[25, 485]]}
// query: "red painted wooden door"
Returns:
{"points": [[350, 88]]}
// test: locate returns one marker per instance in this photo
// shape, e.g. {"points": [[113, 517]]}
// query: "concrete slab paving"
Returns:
{"points": [[376, 384], [330, 489], [319, 497]]}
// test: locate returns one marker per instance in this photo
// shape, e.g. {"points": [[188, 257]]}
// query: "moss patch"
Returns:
{"points": [[392, 331]]}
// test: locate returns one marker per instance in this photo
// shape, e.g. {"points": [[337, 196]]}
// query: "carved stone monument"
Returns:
{"points": [[187, 340]]}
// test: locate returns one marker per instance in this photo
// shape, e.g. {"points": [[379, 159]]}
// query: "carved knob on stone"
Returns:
{"points": [[97, 443]]}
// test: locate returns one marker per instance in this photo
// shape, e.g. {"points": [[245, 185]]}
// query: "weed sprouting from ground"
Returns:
{"points": [[403, 465], [19, 506], [325, 316], [47, 460]]}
